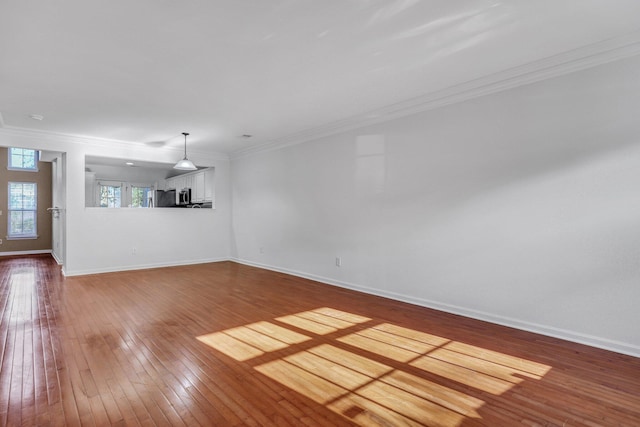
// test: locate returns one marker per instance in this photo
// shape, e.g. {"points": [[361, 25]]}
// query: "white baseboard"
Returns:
{"points": [[590, 340], [36, 252], [140, 267], [58, 260]]}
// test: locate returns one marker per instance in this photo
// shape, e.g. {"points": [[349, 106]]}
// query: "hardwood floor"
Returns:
{"points": [[229, 345]]}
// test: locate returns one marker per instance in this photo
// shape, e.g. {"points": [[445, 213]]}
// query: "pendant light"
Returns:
{"points": [[185, 164]]}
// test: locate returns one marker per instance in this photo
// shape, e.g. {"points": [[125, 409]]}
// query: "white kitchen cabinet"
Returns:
{"points": [[188, 181], [181, 182], [200, 183], [198, 188], [208, 184]]}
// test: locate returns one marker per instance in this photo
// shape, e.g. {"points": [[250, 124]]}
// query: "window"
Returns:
{"points": [[140, 196], [119, 194], [23, 159], [110, 196], [23, 216]]}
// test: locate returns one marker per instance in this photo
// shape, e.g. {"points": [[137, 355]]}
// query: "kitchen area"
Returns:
{"points": [[192, 189], [117, 183]]}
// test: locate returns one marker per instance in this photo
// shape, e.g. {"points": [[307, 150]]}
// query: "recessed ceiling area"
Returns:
{"points": [[145, 71], [116, 162]]}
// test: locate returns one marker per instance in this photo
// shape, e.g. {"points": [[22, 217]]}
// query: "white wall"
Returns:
{"points": [[160, 237], [521, 207], [100, 240]]}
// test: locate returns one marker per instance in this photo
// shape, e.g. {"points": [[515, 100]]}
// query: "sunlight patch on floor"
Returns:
{"points": [[368, 392], [381, 389], [322, 321], [253, 340], [485, 370], [22, 290]]}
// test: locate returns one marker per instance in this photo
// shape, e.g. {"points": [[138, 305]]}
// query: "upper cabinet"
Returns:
{"points": [[200, 182], [208, 184], [198, 188]]}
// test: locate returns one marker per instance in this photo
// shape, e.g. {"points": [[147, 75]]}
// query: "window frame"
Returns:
{"points": [[148, 187], [10, 210], [115, 184], [12, 167], [126, 193]]}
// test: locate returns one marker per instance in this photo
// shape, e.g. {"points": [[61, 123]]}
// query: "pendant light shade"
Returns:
{"points": [[185, 164]]}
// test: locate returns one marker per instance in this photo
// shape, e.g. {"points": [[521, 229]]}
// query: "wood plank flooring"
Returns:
{"points": [[229, 345]]}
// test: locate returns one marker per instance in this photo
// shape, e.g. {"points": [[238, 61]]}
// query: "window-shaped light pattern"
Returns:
{"points": [[373, 372]]}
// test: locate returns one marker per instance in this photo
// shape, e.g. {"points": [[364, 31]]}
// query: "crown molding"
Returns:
{"points": [[61, 138], [582, 58]]}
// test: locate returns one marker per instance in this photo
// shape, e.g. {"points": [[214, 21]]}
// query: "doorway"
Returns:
{"points": [[58, 208]]}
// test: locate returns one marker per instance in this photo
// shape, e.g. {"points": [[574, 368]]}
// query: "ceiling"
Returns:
{"points": [[145, 71]]}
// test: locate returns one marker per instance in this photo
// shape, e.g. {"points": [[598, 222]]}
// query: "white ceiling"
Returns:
{"points": [[144, 71]]}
